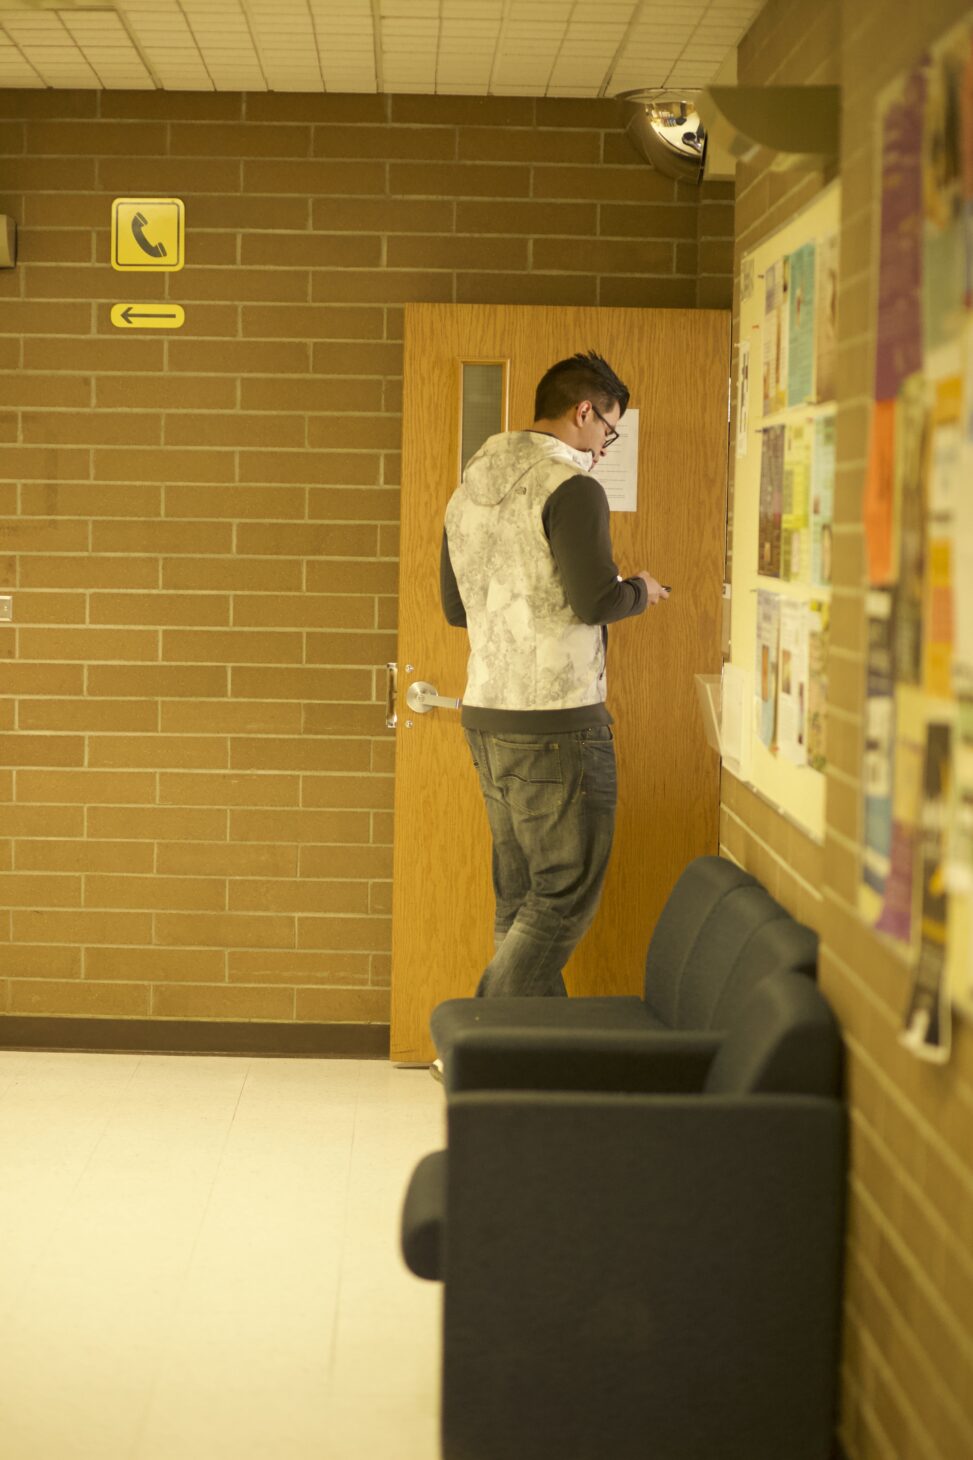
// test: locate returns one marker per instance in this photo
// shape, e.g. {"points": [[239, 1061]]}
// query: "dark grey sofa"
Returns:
{"points": [[650, 1275], [719, 933]]}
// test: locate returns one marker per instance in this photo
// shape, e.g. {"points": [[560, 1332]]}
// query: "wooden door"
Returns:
{"points": [[675, 363]]}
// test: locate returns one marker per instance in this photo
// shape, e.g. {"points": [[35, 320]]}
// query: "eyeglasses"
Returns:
{"points": [[612, 436]]}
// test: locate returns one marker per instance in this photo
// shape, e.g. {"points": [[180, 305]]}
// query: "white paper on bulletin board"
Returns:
{"points": [[618, 470], [790, 781]]}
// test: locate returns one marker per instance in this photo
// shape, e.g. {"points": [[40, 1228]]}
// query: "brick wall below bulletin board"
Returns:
{"points": [[200, 528]]}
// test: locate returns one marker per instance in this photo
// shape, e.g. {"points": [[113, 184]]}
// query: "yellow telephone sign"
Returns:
{"points": [[148, 235]]}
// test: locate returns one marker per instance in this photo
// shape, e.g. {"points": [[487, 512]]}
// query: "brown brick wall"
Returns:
{"points": [[200, 528], [908, 1337]]}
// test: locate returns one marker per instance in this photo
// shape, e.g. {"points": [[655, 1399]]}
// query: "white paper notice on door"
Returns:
{"points": [[618, 470]]}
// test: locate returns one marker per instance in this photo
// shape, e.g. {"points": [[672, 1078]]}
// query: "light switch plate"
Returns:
{"points": [[6, 608]]}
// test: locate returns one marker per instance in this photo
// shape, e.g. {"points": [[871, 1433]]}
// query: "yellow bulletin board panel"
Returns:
{"points": [[775, 687]]}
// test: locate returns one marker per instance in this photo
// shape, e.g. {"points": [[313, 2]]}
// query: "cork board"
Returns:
{"points": [[773, 720]]}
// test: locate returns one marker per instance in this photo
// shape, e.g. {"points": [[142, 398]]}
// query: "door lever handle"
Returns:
{"points": [[421, 697]]}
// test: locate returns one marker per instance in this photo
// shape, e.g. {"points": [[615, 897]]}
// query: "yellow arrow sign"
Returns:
{"points": [[148, 316]]}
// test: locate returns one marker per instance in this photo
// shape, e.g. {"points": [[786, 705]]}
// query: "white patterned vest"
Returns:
{"points": [[528, 648]]}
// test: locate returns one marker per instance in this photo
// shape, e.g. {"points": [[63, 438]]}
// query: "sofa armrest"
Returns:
{"points": [[649, 1062], [422, 1217], [624, 1273]]}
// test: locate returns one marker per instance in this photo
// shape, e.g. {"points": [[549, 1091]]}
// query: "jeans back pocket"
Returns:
{"points": [[528, 774]]}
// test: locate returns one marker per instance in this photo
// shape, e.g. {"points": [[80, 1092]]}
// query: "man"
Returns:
{"points": [[527, 569]]}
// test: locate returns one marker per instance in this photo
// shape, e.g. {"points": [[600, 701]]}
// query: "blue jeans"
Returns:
{"points": [[550, 801]]}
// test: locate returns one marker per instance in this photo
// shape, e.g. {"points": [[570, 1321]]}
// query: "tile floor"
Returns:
{"points": [[199, 1259]]}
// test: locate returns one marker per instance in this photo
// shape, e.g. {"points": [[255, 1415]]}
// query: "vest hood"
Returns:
{"points": [[502, 461]]}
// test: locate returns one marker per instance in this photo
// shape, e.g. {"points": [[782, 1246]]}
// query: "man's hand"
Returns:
{"points": [[655, 588]]}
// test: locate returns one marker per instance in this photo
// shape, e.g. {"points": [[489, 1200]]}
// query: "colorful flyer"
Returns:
{"points": [[945, 487], [822, 500], [765, 668], [911, 427], [896, 918], [963, 534], [783, 333], [960, 862], [775, 330], [877, 760], [800, 326], [926, 1028], [771, 500], [792, 692], [944, 225], [879, 504], [898, 352], [826, 320], [966, 150], [770, 337], [819, 633], [959, 865], [795, 521]]}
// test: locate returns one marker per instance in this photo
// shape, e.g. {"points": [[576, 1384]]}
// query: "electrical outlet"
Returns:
{"points": [[6, 608]]}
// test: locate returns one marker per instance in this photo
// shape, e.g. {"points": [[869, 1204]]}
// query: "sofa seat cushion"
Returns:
{"points": [[423, 1215]]}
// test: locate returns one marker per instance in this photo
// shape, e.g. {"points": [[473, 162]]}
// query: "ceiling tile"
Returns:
{"points": [[474, 47]]}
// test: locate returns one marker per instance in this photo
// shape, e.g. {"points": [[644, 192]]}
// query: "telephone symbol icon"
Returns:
{"points": [[154, 250]]}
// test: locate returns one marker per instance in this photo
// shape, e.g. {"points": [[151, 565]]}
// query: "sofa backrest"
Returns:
{"points": [[777, 943], [784, 1040], [722, 934], [697, 894]]}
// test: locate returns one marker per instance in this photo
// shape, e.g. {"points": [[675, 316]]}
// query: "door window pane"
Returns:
{"points": [[483, 406]]}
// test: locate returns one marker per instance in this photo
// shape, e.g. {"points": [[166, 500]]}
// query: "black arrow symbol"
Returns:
{"points": [[128, 314]]}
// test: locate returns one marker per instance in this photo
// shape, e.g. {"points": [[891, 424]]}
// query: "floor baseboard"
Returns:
{"points": [[194, 1036]]}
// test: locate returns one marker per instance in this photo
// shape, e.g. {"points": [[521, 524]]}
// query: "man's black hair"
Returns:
{"points": [[583, 377]]}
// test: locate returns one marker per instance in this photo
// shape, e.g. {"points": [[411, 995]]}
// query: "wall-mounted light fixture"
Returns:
{"points": [[801, 124]]}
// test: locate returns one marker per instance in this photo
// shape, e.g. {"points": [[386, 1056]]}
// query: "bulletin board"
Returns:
{"points": [[774, 691], [916, 885]]}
